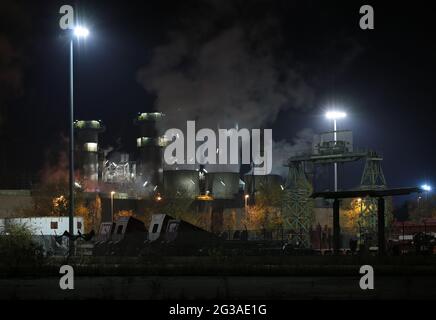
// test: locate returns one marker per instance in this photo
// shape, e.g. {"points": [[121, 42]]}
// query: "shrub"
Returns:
{"points": [[17, 248]]}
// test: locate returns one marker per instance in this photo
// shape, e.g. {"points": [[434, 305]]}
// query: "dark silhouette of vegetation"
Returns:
{"points": [[17, 247]]}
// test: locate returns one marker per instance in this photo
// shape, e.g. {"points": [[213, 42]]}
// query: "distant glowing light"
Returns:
{"points": [[81, 32], [145, 184], [112, 193], [158, 198], [247, 196], [282, 187], [77, 185], [426, 187], [334, 115]]}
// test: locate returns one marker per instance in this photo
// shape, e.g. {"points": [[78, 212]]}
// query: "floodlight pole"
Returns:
{"points": [[335, 139], [71, 154]]}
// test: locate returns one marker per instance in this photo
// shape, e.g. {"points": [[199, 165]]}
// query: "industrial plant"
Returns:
{"points": [[229, 201], [221, 200]]}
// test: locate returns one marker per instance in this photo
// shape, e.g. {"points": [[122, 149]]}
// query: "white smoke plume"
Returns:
{"points": [[283, 150], [222, 84], [227, 76]]}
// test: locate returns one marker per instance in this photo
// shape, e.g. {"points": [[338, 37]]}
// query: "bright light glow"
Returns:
{"points": [[247, 196], [158, 198], [426, 187], [334, 115], [90, 147], [81, 32], [112, 193]]}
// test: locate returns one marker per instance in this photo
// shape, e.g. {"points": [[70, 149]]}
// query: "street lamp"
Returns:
{"points": [[79, 32], [426, 187], [112, 206], [335, 115]]}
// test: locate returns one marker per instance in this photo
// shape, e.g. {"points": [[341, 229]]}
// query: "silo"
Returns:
{"points": [[87, 148], [150, 145], [257, 183], [223, 185], [181, 183]]}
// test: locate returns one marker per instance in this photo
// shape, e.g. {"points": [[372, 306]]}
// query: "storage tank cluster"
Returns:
{"points": [[187, 183], [259, 183], [148, 165]]}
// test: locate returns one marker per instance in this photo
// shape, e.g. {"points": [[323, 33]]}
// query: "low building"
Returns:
{"points": [[44, 226], [13, 201]]}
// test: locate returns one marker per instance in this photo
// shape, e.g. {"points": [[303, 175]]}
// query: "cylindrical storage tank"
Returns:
{"points": [[147, 123], [150, 145], [223, 185], [181, 183], [87, 148], [269, 182]]}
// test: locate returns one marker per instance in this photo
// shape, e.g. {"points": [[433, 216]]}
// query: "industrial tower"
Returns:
{"points": [[328, 148], [150, 144], [87, 148], [297, 206], [372, 178]]}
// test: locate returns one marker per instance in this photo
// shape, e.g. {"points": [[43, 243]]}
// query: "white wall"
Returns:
{"points": [[44, 226]]}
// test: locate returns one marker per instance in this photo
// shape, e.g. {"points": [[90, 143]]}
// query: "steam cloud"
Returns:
{"points": [[225, 71], [220, 82]]}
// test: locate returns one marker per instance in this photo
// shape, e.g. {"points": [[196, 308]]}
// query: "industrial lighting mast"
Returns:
{"points": [[79, 32], [335, 115]]}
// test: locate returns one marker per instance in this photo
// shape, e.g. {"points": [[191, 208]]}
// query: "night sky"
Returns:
{"points": [[314, 51]]}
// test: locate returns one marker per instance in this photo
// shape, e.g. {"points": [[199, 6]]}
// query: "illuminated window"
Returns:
{"points": [[90, 147], [142, 141], [163, 141]]}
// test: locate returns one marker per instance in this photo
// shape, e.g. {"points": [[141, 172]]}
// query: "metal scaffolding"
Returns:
{"points": [[374, 179], [297, 206]]}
